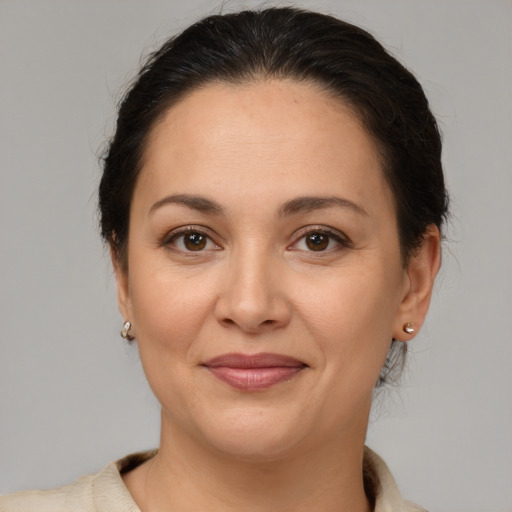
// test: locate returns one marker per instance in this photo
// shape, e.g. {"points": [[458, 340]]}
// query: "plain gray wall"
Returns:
{"points": [[72, 393]]}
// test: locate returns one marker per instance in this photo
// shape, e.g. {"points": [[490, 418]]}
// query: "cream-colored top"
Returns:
{"points": [[106, 492]]}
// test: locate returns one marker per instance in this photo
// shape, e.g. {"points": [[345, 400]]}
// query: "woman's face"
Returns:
{"points": [[265, 280]]}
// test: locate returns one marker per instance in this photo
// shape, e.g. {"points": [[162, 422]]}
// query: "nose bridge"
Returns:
{"points": [[253, 296]]}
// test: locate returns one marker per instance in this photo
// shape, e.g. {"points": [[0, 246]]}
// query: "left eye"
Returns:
{"points": [[318, 241]]}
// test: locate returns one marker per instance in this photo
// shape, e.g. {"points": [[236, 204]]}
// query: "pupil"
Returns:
{"points": [[195, 241], [317, 242]]}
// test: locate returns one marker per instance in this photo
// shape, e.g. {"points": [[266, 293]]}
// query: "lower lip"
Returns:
{"points": [[253, 379]]}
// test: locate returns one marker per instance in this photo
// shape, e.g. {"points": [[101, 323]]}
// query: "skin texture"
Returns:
{"points": [[256, 286]]}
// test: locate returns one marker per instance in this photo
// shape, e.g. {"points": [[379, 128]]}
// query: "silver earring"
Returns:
{"points": [[126, 330], [409, 328]]}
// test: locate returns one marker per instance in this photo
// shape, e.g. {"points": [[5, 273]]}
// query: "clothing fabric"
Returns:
{"points": [[106, 492]]}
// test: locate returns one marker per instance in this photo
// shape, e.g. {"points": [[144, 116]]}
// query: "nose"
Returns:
{"points": [[253, 293]]}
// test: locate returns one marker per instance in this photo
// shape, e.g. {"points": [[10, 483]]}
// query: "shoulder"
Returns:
{"points": [[102, 492], [77, 496], [383, 486]]}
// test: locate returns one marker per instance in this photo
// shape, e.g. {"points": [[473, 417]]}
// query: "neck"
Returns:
{"points": [[187, 476]]}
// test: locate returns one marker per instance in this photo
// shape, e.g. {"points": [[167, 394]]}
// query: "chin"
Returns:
{"points": [[254, 447], [253, 435]]}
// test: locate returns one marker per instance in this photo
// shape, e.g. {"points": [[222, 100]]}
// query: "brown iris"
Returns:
{"points": [[194, 241], [317, 241]]}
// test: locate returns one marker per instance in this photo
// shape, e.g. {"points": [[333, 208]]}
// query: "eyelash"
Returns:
{"points": [[341, 240], [170, 239]]}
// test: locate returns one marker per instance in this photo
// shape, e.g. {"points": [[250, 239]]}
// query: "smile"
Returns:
{"points": [[254, 372]]}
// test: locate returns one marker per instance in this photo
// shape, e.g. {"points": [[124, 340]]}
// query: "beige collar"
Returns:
{"points": [[110, 493]]}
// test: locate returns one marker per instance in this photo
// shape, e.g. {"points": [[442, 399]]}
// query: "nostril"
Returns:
{"points": [[229, 322]]}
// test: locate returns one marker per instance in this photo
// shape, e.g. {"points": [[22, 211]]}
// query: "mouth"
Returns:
{"points": [[254, 372]]}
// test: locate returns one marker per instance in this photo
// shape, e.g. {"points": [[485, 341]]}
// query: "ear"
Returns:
{"points": [[123, 289], [421, 273]]}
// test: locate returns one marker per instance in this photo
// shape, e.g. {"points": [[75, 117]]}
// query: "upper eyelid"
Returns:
{"points": [[189, 228], [300, 233]]}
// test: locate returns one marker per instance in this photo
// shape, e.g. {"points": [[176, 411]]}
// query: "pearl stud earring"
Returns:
{"points": [[409, 328]]}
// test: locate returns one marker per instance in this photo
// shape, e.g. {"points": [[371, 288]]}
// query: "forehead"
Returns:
{"points": [[260, 138]]}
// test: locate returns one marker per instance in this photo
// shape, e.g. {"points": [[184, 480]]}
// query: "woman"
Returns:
{"points": [[273, 199]]}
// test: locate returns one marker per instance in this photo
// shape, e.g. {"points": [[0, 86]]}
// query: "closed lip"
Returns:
{"points": [[248, 361], [254, 372]]}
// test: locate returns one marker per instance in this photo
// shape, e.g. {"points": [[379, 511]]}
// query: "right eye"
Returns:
{"points": [[191, 240]]}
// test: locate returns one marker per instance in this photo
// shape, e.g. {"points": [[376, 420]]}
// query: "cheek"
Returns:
{"points": [[355, 302], [352, 318], [169, 310], [169, 314]]}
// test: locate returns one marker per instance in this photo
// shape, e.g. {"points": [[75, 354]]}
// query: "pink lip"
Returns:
{"points": [[254, 372]]}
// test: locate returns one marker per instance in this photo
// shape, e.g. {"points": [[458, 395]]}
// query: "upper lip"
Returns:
{"points": [[247, 361]]}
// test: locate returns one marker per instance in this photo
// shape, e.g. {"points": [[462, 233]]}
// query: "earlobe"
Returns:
{"points": [[421, 272]]}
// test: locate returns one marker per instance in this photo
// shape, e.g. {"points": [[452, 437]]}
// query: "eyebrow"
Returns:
{"points": [[311, 203], [293, 207], [198, 203]]}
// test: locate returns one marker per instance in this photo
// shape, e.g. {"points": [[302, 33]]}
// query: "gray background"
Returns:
{"points": [[72, 393]]}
